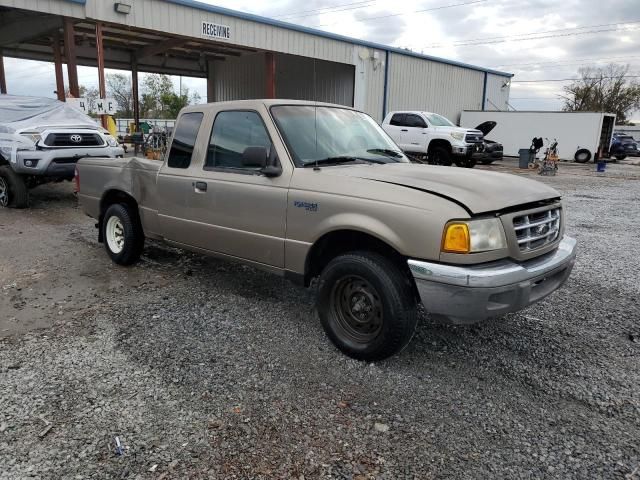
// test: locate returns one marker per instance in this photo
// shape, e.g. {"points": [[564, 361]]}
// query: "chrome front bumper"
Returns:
{"points": [[468, 294]]}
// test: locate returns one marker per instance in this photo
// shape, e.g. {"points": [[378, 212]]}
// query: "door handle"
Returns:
{"points": [[404, 130], [200, 186]]}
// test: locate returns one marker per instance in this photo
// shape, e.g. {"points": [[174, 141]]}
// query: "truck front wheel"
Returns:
{"points": [[122, 233], [440, 156], [13, 189], [367, 306]]}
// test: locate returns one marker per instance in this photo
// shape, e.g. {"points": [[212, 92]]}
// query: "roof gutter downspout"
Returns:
{"points": [[484, 91], [386, 84]]}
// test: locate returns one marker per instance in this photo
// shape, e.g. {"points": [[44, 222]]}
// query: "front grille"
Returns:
{"points": [[535, 230], [73, 140], [474, 138]]}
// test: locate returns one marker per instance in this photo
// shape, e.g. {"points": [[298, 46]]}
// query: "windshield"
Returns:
{"points": [[333, 135], [438, 120]]}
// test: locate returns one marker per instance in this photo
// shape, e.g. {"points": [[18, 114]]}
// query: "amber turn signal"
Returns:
{"points": [[456, 238]]}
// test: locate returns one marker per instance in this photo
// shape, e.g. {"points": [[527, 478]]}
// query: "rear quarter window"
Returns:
{"points": [[184, 140]]}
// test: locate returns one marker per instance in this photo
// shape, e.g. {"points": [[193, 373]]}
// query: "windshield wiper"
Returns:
{"points": [[386, 151], [338, 160]]}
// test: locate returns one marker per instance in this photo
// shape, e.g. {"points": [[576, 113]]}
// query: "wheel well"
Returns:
{"points": [[439, 143], [111, 197], [332, 244], [3, 161]]}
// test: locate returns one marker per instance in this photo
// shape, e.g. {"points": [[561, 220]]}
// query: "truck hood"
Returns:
{"points": [[478, 191]]}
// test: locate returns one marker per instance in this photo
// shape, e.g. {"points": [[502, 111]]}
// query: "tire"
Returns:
{"points": [[620, 157], [381, 291], [582, 156], [466, 162], [440, 156], [486, 161], [122, 234], [13, 189]]}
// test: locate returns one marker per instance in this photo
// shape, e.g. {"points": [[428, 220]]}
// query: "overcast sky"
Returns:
{"points": [[534, 39]]}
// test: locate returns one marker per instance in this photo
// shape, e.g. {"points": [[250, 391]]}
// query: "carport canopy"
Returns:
{"points": [[46, 37]]}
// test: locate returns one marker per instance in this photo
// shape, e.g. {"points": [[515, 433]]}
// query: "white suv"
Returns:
{"points": [[429, 136]]}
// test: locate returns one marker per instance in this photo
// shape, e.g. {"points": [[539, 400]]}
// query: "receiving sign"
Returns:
{"points": [[213, 30], [106, 106]]}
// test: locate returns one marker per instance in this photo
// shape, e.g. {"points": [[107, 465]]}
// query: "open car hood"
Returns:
{"points": [[486, 127]]}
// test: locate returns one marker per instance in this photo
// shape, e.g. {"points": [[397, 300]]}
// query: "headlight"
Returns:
{"points": [[473, 236], [33, 136], [457, 135], [112, 142]]}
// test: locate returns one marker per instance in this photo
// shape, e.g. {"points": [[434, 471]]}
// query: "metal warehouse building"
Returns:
{"points": [[242, 56]]}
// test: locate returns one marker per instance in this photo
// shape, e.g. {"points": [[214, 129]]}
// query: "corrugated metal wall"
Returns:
{"points": [[497, 92], [418, 84], [244, 78], [295, 80], [182, 20], [241, 78]]}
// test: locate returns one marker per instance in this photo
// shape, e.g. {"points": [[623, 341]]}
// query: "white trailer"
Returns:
{"points": [[580, 135]]}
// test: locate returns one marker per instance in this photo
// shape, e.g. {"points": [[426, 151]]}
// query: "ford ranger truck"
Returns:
{"points": [[320, 194], [429, 136]]}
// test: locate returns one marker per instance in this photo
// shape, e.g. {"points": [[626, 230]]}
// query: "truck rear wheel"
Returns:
{"points": [[122, 233], [13, 189], [367, 306], [440, 156]]}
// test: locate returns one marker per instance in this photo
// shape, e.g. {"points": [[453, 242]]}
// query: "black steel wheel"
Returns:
{"points": [[366, 305], [440, 156], [357, 307]]}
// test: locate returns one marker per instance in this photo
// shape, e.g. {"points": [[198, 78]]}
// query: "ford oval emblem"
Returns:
{"points": [[76, 138]]}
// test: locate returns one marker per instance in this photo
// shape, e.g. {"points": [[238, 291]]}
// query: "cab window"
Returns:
{"points": [[397, 119], [232, 133], [184, 140], [414, 121]]}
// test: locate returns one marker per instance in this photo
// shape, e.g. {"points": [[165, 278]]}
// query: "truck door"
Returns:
{"points": [[416, 133], [175, 181], [240, 212], [397, 130]]}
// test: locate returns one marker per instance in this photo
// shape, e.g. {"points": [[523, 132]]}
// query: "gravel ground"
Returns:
{"points": [[207, 369]]}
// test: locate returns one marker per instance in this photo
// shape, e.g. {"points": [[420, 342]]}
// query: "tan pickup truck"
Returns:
{"points": [[318, 191]]}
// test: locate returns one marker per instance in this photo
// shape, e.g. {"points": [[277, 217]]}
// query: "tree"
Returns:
{"points": [[159, 100], [119, 88], [604, 89]]}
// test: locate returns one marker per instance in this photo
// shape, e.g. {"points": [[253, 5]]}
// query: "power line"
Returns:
{"points": [[442, 7], [571, 79], [324, 10], [561, 61], [534, 35]]}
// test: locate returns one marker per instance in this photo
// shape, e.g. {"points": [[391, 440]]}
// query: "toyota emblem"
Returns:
{"points": [[76, 138]]}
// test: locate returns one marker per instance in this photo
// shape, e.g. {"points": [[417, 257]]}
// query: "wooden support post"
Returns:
{"points": [[3, 80], [57, 61], [135, 98], [102, 87], [270, 73], [70, 56]]}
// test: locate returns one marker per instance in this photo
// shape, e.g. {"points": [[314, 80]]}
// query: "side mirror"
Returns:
{"points": [[255, 157]]}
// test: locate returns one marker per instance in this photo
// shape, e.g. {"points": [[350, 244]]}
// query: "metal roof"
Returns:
{"points": [[320, 33]]}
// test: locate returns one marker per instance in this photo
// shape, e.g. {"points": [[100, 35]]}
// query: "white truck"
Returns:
{"points": [[432, 137], [41, 140], [580, 135]]}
